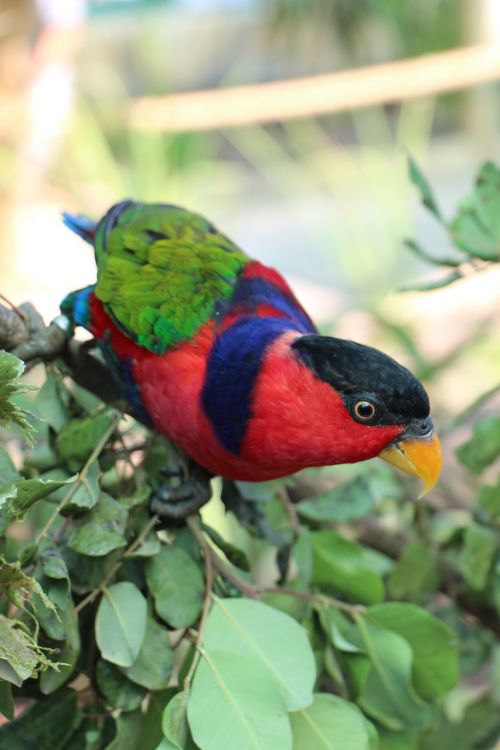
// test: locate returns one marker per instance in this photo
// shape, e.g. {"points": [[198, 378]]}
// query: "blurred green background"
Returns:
{"points": [[325, 199]]}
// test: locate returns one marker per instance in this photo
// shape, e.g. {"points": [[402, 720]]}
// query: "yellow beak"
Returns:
{"points": [[420, 457]]}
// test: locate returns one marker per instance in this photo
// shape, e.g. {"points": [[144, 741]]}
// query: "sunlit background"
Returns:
{"points": [[90, 114]]}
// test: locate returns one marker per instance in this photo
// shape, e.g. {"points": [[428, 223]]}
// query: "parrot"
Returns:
{"points": [[212, 348]]}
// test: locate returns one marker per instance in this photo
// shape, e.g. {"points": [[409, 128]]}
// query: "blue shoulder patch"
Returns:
{"points": [[232, 371], [76, 306]]}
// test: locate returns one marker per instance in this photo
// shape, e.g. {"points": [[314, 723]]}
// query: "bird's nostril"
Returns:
{"points": [[425, 426], [420, 427]]}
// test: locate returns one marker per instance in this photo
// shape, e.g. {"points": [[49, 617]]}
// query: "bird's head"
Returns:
{"points": [[385, 409]]}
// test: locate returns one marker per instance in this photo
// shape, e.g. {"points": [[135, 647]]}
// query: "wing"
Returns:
{"points": [[162, 271]]}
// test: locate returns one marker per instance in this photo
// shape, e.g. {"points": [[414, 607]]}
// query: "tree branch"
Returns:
{"points": [[24, 333]]}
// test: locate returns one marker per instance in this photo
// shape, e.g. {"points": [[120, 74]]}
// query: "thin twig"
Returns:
{"points": [[255, 592], [179, 639], [285, 552], [309, 596], [15, 309], [291, 512], [220, 566], [207, 603]]}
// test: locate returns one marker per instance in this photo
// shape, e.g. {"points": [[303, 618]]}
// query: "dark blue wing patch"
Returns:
{"points": [[232, 371], [121, 370], [252, 292]]}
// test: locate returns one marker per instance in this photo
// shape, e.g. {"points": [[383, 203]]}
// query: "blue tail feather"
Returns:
{"points": [[80, 225]]}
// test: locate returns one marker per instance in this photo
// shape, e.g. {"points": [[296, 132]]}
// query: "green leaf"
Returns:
{"points": [[166, 745], [6, 700], [399, 741], [152, 733], [20, 655], [176, 583], [476, 555], [52, 562], [90, 733], [66, 654], [101, 529], [484, 446], [174, 720], [50, 615], [153, 667], [234, 554], [121, 623], [118, 691], [186, 541], [87, 493], [426, 194], [78, 438], [340, 631], [340, 564], [349, 501], [330, 723], [8, 472], [476, 228], [18, 497], [149, 548], [334, 670], [247, 628], [436, 260], [18, 586], [48, 723], [428, 286], [86, 572], [415, 573], [49, 403], [434, 646], [489, 500], [261, 492], [235, 703], [129, 728], [480, 727], [387, 694], [11, 369]]}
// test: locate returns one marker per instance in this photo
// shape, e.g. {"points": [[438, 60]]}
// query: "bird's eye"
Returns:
{"points": [[364, 410]]}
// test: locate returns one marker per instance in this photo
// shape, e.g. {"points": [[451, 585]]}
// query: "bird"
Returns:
{"points": [[212, 348]]}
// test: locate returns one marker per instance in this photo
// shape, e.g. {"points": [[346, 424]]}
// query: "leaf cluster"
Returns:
{"points": [[474, 231]]}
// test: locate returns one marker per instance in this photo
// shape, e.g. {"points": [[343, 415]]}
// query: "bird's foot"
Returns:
{"points": [[176, 502]]}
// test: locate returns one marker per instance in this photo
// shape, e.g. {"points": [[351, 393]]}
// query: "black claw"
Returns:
{"points": [[178, 502]]}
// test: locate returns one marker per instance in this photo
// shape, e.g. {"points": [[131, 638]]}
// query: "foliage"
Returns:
{"points": [[352, 619], [474, 231], [11, 369]]}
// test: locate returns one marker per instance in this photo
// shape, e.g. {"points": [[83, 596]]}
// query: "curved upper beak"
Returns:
{"points": [[419, 456]]}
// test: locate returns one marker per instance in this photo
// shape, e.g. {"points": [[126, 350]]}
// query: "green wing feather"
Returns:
{"points": [[161, 271]]}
